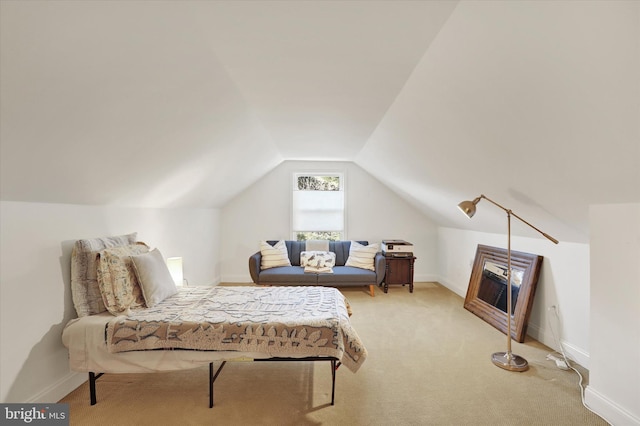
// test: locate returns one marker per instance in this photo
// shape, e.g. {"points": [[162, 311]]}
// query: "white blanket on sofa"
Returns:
{"points": [[317, 245]]}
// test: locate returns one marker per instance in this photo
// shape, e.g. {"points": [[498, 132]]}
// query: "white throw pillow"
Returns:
{"points": [[362, 256], [318, 259], [273, 256], [154, 277]]}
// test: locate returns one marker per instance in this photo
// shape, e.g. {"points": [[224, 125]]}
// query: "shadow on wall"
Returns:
{"points": [[43, 368]]}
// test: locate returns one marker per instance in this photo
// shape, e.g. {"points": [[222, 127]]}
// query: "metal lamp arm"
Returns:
{"points": [[547, 236]]}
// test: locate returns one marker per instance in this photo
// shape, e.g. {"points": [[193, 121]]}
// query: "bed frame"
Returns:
{"points": [[335, 364], [91, 328]]}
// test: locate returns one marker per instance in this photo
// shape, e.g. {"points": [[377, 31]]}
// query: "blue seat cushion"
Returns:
{"points": [[348, 275], [288, 275]]}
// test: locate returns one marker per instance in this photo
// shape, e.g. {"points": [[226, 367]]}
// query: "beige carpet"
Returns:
{"points": [[429, 364]]}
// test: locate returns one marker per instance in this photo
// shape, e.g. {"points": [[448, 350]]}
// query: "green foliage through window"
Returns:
{"points": [[318, 183], [318, 235]]}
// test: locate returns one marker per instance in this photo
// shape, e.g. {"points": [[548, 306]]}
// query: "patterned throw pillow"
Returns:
{"points": [[273, 256], [318, 259], [87, 298], [362, 256], [117, 279]]}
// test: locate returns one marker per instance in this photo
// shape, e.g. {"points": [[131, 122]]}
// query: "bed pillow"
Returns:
{"points": [[318, 259], [273, 256], [154, 277], [85, 290], [362, 256], [117, 279]]}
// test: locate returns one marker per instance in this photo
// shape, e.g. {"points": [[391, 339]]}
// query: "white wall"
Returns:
{"points": [[563, 282], [514, 98], [614, 380], [35, 299], [374, 213]]}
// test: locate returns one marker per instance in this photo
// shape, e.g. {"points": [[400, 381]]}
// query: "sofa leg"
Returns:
{"points": [[371, 291]]}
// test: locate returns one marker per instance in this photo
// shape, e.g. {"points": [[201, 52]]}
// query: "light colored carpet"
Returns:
{"points": [[429, 364]]}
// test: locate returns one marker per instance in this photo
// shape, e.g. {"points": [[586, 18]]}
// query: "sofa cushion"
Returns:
{"points": [[287, 275], [347, 275]]}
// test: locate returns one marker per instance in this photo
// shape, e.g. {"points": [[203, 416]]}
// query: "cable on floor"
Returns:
{"points": [[565, 359]]}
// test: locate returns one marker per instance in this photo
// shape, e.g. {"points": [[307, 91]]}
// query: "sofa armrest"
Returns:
{"points": [[380, 266], [254, 266]]}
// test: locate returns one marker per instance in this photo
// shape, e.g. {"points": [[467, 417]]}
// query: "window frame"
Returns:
{"points": [[341, 175]]}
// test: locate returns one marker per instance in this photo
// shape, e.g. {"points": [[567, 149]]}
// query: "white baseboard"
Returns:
{"points": [[462, 292], [58, 390], [573, 352], [425, 278], [240, 278], [577, 354], [608, 409]]}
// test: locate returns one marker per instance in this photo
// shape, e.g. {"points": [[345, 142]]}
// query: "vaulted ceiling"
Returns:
{"points": [[185, 104]]}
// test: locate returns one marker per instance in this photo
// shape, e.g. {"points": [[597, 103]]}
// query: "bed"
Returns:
{"points": [[124, 326]]}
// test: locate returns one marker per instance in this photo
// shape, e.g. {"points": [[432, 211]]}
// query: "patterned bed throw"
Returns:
{"points": [[278, 321]]}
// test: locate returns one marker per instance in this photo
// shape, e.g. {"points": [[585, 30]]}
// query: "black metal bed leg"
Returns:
{"points": [[212, 378], [210, 385], [333, 380], [92, 386]]}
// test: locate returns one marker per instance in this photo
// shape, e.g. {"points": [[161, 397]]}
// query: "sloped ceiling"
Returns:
{"points": [[172, 104]]}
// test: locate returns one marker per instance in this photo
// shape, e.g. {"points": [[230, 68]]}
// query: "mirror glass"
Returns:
{"points": [[493, 285]]}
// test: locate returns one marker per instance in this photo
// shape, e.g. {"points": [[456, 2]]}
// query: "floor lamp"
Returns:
{"points": [[506, 360]]}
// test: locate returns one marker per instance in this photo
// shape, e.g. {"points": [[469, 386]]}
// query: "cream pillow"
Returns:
{"points": [[154, 277], [273, 256], [117, 280], [362, 256]]}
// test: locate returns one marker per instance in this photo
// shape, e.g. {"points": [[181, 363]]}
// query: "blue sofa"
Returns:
{"points": [[342, 276]]}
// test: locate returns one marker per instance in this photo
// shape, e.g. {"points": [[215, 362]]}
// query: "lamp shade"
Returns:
{"points": [[468, 208], [174, 264]]}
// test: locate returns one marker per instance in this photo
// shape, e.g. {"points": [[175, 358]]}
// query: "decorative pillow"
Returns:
{"points": [[318, 259], [273, 256], [154, 277], [85, 290], [362, 256], [117, 280]]}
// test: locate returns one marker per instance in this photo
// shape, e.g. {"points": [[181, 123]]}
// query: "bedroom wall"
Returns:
{"points": [[614, 379], [563, 282], [35, 300], [373, 213]]}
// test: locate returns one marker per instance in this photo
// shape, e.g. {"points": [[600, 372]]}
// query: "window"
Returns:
{"points": [[318, 206]]}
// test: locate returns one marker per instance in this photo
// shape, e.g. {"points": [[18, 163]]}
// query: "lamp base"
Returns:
{"points": [[509, 361]]}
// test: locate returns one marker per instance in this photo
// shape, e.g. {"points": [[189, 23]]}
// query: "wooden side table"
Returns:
{"points": [[398, 270]]}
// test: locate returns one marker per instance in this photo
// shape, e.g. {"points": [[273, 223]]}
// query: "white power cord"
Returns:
{"points": [[564, 363]]}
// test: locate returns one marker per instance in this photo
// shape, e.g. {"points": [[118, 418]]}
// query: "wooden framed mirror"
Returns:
{"points": [[487, 292]]}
